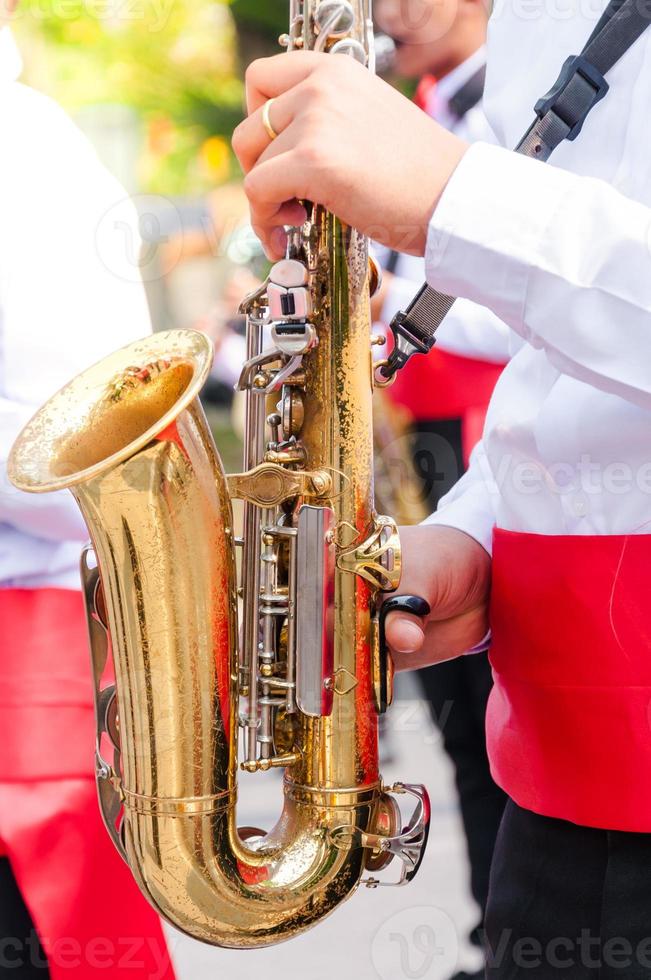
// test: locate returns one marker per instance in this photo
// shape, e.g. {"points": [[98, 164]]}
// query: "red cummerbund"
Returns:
{"points": [[47, 727], [569, 719]]}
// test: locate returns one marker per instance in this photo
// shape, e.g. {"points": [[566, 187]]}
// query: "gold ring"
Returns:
{"points": [[266, 120]]}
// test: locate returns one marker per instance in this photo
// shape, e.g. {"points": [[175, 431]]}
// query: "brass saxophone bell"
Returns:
{"points": [[294, 671]]}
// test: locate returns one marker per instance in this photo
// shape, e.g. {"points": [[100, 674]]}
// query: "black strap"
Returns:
{"points": [[581, 84], [391, 263], [469, 95], [560, 116]]}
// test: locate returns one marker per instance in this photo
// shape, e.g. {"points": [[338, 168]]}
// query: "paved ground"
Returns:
{"points": [[418, 931]]}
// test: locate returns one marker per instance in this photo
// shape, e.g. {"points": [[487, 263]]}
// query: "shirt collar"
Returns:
{"points": [[11, 64], [454, 81]]}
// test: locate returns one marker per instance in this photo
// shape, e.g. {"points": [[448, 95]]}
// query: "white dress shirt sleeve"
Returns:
{"points": [[471, 330], [563, 259]]}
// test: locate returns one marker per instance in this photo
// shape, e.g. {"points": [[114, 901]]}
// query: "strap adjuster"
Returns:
{"points": [[408, 340], [574, 109]]}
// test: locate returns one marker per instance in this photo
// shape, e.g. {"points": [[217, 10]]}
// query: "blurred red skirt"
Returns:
{"points": [[87, 910], [448, 386]]}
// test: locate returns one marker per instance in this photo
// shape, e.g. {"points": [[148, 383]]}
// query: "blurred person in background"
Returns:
{"points": [[69, 294], [237, 267], [443, 45], [227, 330]]}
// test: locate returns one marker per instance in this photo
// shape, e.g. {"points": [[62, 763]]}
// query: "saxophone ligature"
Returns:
{"points": [[197, 650]]}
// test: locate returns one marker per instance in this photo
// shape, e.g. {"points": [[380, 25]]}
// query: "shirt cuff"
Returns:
{"points": [[464, 516], [485, 233]]}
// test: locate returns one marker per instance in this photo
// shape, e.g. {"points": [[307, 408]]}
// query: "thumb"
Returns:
{"points": [[404, 626], [405, 633]]}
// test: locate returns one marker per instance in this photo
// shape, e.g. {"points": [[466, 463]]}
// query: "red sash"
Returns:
{"points": [[87, 909], [569, 719], [47, 725], [84, 902], [441, 385]]}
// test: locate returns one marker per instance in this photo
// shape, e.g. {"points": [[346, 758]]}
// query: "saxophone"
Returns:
{"points": [[202, 639]]}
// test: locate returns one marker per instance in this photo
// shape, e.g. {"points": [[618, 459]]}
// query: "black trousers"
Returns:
{"points": [[568, 901], [437, 457], [21, 955], [457, 692]]}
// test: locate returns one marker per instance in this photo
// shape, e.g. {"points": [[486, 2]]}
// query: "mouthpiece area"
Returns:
{"points": [[110, 411]]}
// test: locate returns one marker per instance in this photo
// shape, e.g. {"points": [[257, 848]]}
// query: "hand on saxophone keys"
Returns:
{"points": [[451, 572], [340, 132]]}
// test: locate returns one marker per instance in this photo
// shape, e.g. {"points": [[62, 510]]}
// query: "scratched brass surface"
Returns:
{"points": [[130, 439], [341, 751], [154, 498]]}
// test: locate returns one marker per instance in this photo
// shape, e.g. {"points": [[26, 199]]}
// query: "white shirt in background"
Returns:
{"points": [[468, 330], [70, 293], [562, 253]]}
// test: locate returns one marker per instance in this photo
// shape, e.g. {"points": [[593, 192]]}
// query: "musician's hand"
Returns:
{"points": [[347, 140], [452, 572]]}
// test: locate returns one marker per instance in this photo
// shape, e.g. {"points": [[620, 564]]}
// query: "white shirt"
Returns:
{"points": [[561, 252], [469, 330], [474, 125], [70, 293]]}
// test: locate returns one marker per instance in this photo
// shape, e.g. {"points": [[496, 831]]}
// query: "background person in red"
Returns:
{"points": [[66, 300]]}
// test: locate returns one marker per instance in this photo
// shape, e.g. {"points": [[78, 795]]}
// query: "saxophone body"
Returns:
{"points": [[214, 652]]}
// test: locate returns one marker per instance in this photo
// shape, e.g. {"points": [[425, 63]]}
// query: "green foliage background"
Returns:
{"points": [[266, 17], [177, 64]]}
